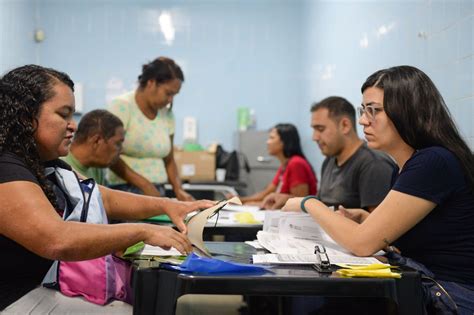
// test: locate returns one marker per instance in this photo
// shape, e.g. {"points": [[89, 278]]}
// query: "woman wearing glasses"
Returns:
{"points": [[147, 160], [429, 212]]}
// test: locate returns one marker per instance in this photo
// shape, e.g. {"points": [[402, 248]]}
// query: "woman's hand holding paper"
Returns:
{"points": [[180, 209]]}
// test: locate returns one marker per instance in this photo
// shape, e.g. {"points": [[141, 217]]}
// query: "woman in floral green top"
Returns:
{"points": [[147, 161]]}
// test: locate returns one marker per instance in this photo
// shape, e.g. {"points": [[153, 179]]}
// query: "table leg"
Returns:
{"points": [[156, 295]]}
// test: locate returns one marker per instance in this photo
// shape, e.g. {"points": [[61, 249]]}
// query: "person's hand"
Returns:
{"points": [[178, 210], [293, 204], [274, 201], [166, 237], [356, 215], [183, 196]]}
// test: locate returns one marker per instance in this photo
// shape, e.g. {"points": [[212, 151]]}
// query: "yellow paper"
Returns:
{"points": [[369, 271], [366, 267], [245, 218], [374, 273]]}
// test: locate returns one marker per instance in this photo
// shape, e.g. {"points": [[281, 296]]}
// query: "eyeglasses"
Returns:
{"points": [[369, 111]]}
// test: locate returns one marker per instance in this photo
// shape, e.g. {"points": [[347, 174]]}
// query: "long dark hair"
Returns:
{"points": [[161, 70], [22, 93], [291, 141], [419, 113]]}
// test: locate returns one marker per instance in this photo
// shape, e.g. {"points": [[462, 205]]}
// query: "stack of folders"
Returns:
{"points": [[294, 238]]}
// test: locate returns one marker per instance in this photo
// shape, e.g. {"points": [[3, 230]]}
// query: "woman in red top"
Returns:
{"points": [[295, 175]]}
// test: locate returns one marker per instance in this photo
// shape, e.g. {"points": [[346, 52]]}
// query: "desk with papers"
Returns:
{"points": [[234, 222], [292, 238], [157, 290]]}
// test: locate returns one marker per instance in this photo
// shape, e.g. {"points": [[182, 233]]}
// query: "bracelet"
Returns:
{"points": [[306, 199]]}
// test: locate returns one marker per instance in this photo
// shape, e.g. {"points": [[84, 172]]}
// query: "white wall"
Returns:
{"points": [[276, 56], [17, 24], [346, 41]]}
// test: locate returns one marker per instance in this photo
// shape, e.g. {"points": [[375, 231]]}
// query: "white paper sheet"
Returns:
{"points": [[226, 217], [309, 259], [241, 208], [150, 250], [296, 238], [255, 244]]}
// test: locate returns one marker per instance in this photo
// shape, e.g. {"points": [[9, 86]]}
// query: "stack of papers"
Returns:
{"points": [[291, 238], [292, 250]]}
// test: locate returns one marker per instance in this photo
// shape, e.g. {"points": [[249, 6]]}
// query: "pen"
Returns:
{"points": [[323, 256]]}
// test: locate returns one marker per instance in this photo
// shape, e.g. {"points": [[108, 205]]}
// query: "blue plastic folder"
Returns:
{"points": [[204, 265]]}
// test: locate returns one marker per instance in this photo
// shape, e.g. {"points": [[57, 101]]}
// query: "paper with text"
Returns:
{"points": [[291, 238]]}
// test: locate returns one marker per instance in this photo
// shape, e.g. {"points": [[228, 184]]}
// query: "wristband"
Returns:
{"points": [[306, 199]]}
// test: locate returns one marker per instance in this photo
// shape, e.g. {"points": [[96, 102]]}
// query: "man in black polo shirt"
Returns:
{"points": [[352, 175]]}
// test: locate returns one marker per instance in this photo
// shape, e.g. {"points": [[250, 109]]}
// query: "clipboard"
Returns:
{"points": [[324, 265]]}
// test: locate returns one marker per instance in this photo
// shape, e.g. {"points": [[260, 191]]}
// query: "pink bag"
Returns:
{"points": [[98, 280]]}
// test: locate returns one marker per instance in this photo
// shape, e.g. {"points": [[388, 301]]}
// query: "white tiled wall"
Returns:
{"points": [[277, 56], [344, 42], [17, 47], [450, 38]]}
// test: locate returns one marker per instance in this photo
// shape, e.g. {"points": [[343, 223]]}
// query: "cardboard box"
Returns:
{"points": [[196, 166]]}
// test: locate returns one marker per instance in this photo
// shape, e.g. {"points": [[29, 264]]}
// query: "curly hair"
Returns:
{"points": [[22, 93]]}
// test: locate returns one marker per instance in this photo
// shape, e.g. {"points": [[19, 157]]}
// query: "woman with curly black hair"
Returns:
{"points": [[36, 128]]}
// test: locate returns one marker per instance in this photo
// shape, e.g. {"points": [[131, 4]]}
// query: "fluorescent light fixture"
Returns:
{"points": [[166, 26], [364, 41], [384, 29]]}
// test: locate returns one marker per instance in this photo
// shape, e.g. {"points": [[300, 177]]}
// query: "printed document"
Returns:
{"points": [[291, 238]]}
